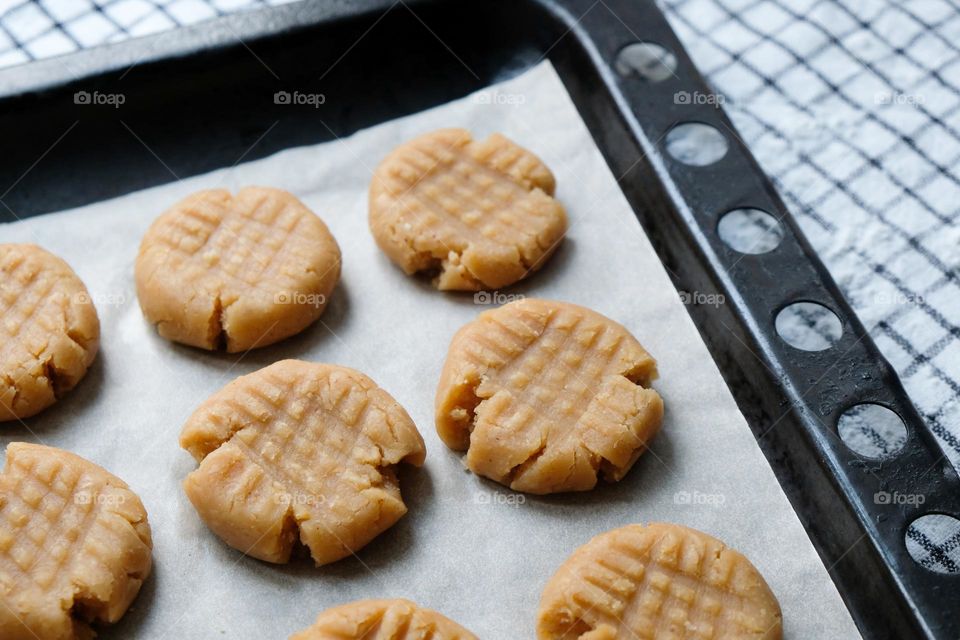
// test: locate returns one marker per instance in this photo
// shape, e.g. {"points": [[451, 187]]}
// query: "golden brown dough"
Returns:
{"points": [[383, 620], [49, 331], [657, 582], [481, 214], [236, 272], [299, 445], [74, 545], [544, 396]]}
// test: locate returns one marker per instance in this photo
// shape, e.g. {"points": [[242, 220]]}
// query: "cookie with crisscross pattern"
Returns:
{"points": [[49, 331], [74, 545], [383, 620], [545, 396], [478, 214], [234, 272], [299, 447], [658, 582]]}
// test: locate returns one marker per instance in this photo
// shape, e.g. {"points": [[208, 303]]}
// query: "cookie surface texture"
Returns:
{"points": [[383, 620], [235, 272], [658, 582], [545, 396], [74, 545], [479, 214], [299, 447], [49, 331]]}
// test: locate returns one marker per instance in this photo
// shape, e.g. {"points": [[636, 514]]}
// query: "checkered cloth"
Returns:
{"points": [[35, 29], [853, 109]]}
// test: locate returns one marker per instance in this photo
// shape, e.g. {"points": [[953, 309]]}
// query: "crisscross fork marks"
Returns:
{"points": [[479, 212], [535, 375], [20, 302], [546, 395], [229, 242], [383, 620], [25, 299], [304, 445], [450, 186], [74, 542], [236, 272], [49, 331], [660, 582], [49, 507], [299, 445]]}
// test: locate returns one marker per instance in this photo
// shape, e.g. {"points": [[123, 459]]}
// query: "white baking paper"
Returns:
{"points": [[469, 548]]}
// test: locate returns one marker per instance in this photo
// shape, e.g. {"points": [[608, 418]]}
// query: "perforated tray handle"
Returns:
{"points": [[792, 398]]}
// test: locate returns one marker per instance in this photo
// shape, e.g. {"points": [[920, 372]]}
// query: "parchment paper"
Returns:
{"points": [[468, 547]]}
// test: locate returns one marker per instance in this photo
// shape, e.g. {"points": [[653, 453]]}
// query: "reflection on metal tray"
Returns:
{"points": [[202, 99]]}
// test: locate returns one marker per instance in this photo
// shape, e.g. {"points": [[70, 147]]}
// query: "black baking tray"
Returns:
{"points": [[203, 97]]}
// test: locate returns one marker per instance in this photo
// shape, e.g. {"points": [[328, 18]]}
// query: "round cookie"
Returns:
{"points": [[299, 445], [74, 545], [658, 582], [49, 331], [545, 396], [383, 620], [219, 271], [479, 214]]}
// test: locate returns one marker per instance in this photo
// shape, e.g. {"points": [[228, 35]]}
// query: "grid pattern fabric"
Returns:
{"points": [[853, 109], [36, 29]]}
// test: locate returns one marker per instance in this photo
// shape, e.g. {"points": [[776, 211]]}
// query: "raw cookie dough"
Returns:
{"points": [[74, 545], [49, 331], [479, 213], [658, 582], [236, 272], [544, 396], [383, 620], [299, 445]]}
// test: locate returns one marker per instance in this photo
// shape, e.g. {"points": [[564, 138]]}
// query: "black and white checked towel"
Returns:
{"points": [[853, 109]]}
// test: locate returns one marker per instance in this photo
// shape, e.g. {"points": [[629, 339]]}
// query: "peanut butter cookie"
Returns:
{"points": [[383, 620], [658, 582], [219, 271], [299, 446], [545, 396], [49, 331], [479, 214], [74, 545]]}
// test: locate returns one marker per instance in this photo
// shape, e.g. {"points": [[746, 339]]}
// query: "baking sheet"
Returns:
{"points": [[469, 548]]}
